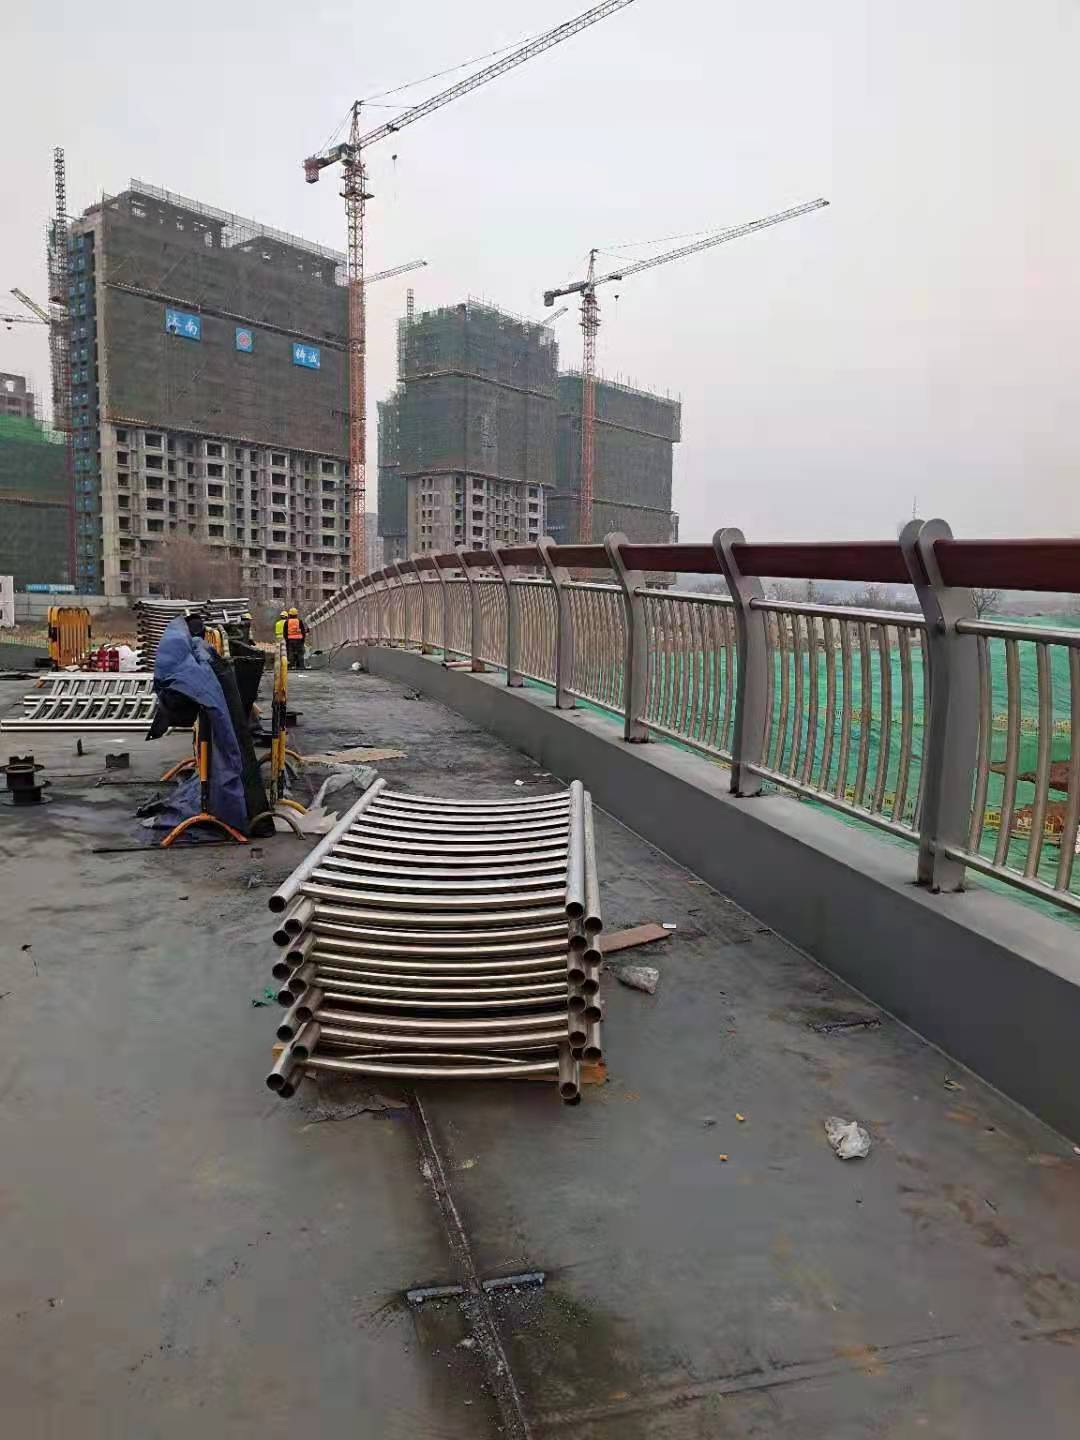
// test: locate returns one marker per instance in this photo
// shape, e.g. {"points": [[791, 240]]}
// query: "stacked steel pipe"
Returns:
{"points": [[152, 615], [87, 701], [426, 938]]}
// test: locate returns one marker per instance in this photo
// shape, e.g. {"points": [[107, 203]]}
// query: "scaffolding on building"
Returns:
{"points": [[478, 394]]}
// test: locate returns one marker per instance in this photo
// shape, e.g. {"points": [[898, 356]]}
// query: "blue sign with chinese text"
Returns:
{"points": [[179, 322], [245, 339], [310, 356]]}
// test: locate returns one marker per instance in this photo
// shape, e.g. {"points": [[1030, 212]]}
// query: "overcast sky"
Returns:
{"points": [[917, 339]]}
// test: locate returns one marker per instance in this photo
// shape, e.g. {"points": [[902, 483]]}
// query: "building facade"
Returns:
{"points": [[35, 506], [393, 505], [16, 397], [208, 399], [633, 448], [475, 421]]}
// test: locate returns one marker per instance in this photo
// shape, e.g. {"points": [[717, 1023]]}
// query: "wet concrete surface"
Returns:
{"points": [[181, 1246]]}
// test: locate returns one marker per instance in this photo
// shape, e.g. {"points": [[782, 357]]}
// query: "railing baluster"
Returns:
{"points": [[1042, 762], [1012, 750], [885, 726], [907, 711], [828, 649], [1071, 822]]}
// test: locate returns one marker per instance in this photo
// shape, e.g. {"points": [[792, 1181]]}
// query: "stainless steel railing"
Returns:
{"points": [[847, 696], [690, 690], [539, 621], [1019, 832], [949, 732], [596, 613]]}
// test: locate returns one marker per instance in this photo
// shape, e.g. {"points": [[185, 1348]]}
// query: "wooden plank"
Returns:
{"points": [[636, 935]]}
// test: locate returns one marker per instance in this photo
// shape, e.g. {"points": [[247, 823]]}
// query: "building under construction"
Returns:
{"points": [[474, 417], [208, 360], [635, 435], [35, 514], [392, 528]]}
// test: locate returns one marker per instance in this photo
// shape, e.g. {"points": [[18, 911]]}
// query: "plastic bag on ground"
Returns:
{"points": [[847, 1138]]}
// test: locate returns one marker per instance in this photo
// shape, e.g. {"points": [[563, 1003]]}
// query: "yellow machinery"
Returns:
{"points": [[280, 805], [69, 634]]}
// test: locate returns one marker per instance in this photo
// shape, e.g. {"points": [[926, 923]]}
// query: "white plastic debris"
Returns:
{"points": [[638, 977], [847, 1138]]}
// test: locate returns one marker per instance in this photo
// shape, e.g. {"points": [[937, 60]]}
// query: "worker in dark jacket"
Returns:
{"points": [[295, 635]]}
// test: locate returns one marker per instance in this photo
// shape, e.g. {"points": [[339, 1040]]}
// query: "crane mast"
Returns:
{"points": [[354, 191], [590, 323]]}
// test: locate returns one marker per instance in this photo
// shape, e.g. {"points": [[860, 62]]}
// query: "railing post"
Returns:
{"points": [[404, 604], [425, 648], [950, 747], [752, 648], [475, 618], [371, 612], [378, 587], [513, 623], [445, 598], [635, 659], [564, 632]]}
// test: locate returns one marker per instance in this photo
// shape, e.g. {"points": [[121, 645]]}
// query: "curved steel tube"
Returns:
{"points": [[445, 1071], [281, 897], [437, 939]]}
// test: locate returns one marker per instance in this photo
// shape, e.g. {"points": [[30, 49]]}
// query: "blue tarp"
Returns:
{"points": [[184, 665]]}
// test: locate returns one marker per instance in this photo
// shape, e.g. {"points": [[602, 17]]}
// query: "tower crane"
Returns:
{"points": [[10, 320], [40, 314], [590, 323], [355, 192], [395, 270]]}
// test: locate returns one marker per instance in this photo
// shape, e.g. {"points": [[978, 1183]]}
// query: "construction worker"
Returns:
{"points": [[279, 625], [295, 633]]}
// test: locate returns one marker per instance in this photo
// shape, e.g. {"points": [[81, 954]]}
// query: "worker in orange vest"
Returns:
{"points": [[295, 635]]}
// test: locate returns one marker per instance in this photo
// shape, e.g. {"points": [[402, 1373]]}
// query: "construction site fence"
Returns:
{"points": [[945, 729]]}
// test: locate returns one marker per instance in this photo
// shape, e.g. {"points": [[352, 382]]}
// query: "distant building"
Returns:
{"points": [[393, 505], [634, 440], [373, 545], [475, 430], [16, 397], [209, 399], [35, 509]]}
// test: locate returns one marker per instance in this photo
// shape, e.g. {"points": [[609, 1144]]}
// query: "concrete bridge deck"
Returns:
{"points": [[182, 1249]]}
